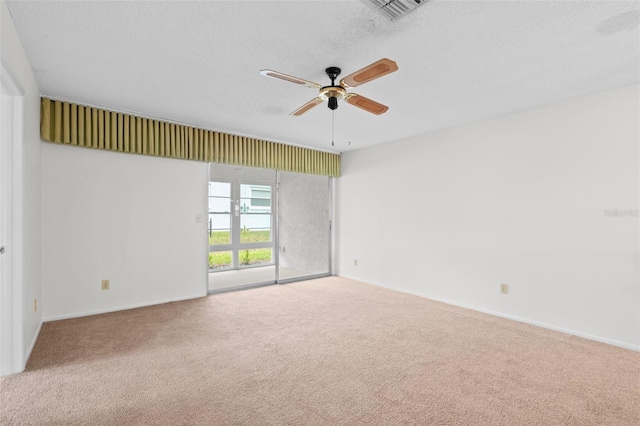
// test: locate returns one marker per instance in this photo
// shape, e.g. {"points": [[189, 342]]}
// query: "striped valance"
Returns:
{"points": [[67, 123]]}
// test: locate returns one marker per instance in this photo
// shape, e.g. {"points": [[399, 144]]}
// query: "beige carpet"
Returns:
{"points": [[322, 352]]}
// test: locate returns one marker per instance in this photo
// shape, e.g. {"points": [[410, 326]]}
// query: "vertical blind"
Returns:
{"points": [[72, 124]]}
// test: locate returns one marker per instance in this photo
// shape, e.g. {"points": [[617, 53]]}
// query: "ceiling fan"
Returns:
{"points": [[332, 93]]}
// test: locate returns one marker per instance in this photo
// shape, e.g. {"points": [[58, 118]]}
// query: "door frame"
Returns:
{"points": [[12, 359]]}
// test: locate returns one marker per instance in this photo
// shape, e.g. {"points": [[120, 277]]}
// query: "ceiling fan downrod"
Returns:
{"points": [[333, 73]]}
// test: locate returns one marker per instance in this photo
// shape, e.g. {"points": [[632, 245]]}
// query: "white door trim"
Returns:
{"points": [[12, 357]]}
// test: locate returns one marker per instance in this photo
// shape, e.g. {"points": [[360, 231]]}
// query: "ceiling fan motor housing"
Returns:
{"points": [[332, 94]]}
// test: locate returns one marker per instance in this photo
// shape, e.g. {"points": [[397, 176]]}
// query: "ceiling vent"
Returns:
{"points": [[395, 9]]}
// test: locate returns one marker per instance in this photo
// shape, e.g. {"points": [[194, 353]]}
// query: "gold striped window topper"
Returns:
{"points": [[72, 124]]}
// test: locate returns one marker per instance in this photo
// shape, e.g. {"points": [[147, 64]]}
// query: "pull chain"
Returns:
{"points": [[333, 127]]}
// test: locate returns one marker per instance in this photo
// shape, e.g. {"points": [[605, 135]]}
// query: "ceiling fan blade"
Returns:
{"points": [[306, 107], [366, 104], [292, 79], [377, 69]]}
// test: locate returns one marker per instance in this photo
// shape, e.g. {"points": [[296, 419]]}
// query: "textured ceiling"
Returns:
{"points": [[198, 62]]}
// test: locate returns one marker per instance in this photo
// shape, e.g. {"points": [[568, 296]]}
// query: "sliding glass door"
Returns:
{"points": [[266, 227], [241, 229]]}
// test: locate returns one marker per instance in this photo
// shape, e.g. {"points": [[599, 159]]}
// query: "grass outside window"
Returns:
{"points": [[223, 259], [246, 236]]}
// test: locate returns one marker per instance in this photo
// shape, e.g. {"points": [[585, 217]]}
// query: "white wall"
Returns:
{"points": [[519, 199], [29, 191], [127, 218]]}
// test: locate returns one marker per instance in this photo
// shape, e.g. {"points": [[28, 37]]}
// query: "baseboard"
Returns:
{"points": [[119, 308], [32, 345], [588, 336]]}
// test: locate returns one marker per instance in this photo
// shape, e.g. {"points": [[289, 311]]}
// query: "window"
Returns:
{"points": [[260, 197]]}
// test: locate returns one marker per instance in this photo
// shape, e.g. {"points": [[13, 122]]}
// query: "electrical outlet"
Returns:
{"points": [[35, 305], [355, 262], [105, 284], [504, 288]]}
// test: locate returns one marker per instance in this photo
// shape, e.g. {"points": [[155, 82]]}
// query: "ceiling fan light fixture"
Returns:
{"points": [[331, 94], [333, 103]]}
